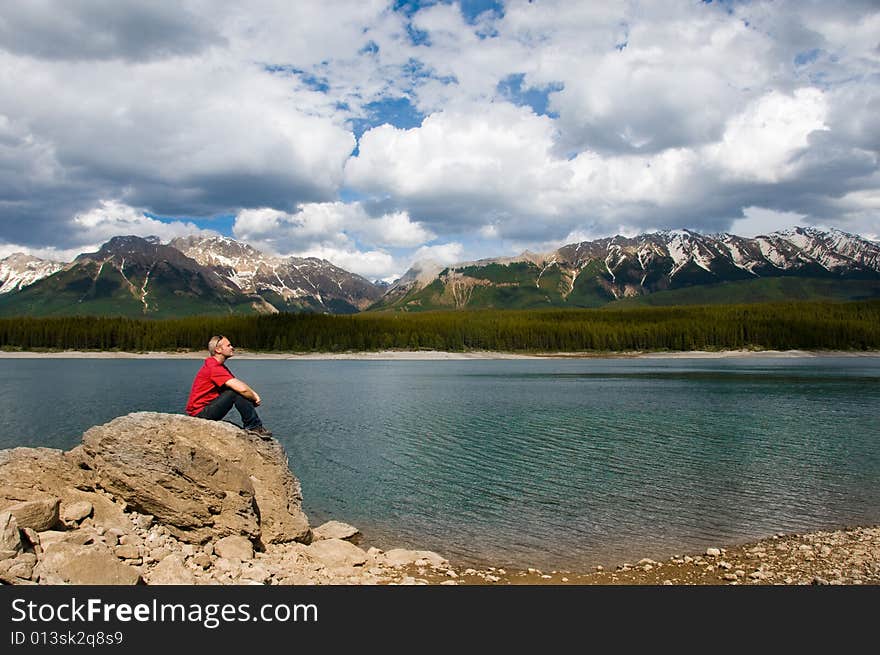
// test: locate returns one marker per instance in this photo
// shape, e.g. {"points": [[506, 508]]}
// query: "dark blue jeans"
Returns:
{"points": [[220, 406]]}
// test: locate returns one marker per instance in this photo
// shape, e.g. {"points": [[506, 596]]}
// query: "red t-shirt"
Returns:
{"points": [[209, 380]]}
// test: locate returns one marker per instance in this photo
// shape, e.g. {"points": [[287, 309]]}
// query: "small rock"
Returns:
{"points": [[725, 565], [76, 512], [255, 573], [37, 514], [398, 557], [337, 530], [235, 546], [713, 552], [202, 560], [10, 537], [495, 578], [729, 576], [337, 553], [170, 571], [159, 554], [67, 563], [225, 565], [127, 551], [598, 568], [131, 539]]}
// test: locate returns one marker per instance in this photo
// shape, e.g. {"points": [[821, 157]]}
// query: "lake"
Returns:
{"points": [[552, 463]]}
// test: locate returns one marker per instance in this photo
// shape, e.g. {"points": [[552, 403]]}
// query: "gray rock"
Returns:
{"points": [[337, 530], [39, 514], [76, 512], [171, 571], [66, 563], [336, 553], [10, 537], [234, 547], [713, 552], [200, 478]]}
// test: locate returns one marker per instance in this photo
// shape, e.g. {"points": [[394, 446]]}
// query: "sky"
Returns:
{"points": [[377, 133]]}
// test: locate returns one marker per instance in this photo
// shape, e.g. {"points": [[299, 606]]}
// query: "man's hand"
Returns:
{"points": [[257, 400]]}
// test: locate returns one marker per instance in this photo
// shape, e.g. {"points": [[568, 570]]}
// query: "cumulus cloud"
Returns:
{"points": [[329, 222], [371, 264], [112, 218], [447, 253]]}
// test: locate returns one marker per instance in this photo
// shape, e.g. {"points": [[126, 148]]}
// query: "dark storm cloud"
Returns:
{"points": [[102, 29]]}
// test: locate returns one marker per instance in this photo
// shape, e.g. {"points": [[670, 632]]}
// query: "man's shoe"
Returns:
{"points": [[261, 431]]}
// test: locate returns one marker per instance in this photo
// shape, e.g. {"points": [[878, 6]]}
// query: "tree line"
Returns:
{"points": [[777, 326]]}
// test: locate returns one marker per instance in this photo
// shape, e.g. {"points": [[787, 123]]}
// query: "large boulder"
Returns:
{"points": [[202, 479]]}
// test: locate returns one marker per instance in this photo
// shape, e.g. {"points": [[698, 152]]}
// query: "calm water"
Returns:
{"points": [[548, 463]]}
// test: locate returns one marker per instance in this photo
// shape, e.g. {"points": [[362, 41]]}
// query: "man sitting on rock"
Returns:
{"points": [[215, 390]]}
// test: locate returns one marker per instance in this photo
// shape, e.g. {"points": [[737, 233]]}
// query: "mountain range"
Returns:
{"points": [[136, 276]]}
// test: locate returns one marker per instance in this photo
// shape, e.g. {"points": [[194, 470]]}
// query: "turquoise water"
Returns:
{"points": [[548, 463]]}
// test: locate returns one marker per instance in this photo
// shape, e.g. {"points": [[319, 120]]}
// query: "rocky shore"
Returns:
{"points": [[157, 499]]}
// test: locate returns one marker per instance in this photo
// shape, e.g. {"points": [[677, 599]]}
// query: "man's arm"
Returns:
{"points": [[242, 387]]}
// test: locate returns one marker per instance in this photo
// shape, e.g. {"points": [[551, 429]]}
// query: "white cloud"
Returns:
{"points": [[50, 253], [760, 143], [113, 218], [371, 264], [447, 253], [331, 222], [759, 220], [462, 158]]}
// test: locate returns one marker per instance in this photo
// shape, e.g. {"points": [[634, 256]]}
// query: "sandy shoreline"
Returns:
{"points": [[434, 355]]}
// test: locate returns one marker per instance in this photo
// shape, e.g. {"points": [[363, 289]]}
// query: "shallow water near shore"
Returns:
{"points": [[548, 463]]}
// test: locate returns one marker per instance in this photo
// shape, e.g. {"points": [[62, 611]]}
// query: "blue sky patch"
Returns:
{"points": [[472, 9], [511, 89], [398, 112], [221, 223], [806, 57], [314, 82]]}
